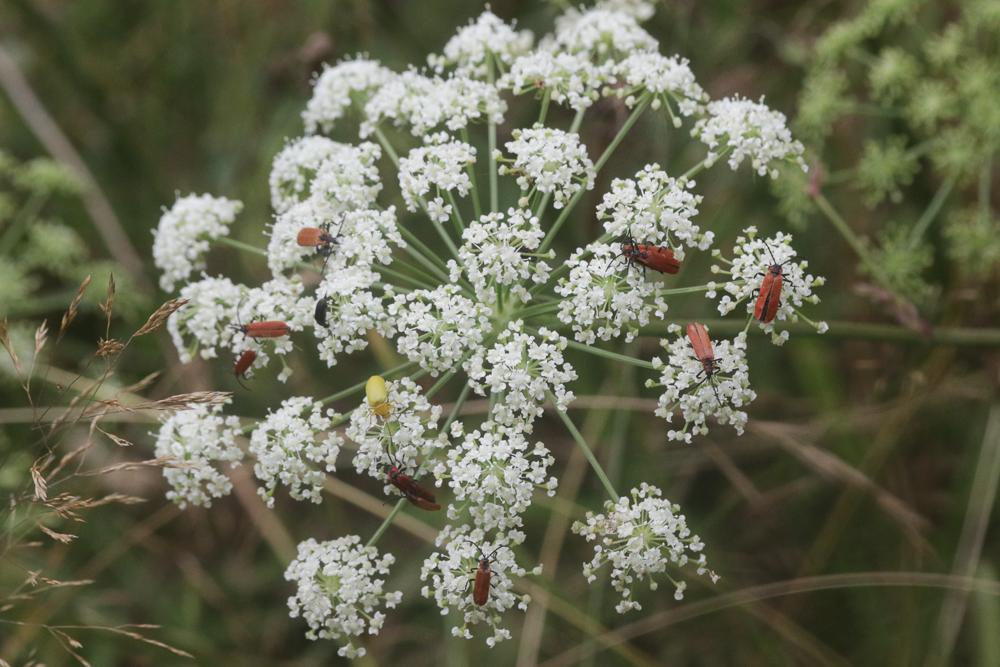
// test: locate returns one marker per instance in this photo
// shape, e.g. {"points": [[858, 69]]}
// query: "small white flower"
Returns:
{"points": [[295, 167], [641, 10], [493, 473], [438, 328], [471, 49], [198, 439], [669, 80], [498, 249], [698, 396], [186, 231], [405, 438], [550, 161], [602, 296], [748, 130], [364, 237], [639, 536], [421, 103], [294, 446], [433, 170], [348, 179], [520, 369], [654, 208], [348, 83], [603, 35], [340, 587], [567, 78], [449, 575], [352, 309], [752, 259]]}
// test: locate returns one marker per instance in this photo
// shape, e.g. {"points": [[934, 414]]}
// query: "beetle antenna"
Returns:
{"points": [[770, 252]]}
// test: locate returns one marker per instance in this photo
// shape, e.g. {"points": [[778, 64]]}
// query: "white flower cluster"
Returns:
{"points": [[752, 259], [748, 130], [198, 440], [184, 233], [521, 369], [405, 438], [340, 266], [699, 395], [499, 250], [450, 576], [550, 161], [639, 536], [294, 446], [494, 472], [340, 590], [602, 297], [346, 84], [442, 167], [438, 328], [471, 49], [654, 208]]}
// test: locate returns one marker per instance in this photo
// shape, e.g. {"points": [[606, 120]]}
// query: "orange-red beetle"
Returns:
{"points": [[265, 329], [243, 365], [697, 333], [484, 578], [316, 237], [412, 491], [769, 294], [658, 258]]}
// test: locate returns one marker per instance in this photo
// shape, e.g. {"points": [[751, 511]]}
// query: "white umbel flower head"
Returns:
{"points": [[640, 10], [603, 297], [746, 130], [493, 473], [438, 328], [603, 35], [295, 447], [294, 169], [697, 396], [474, 45], [654, 208], [340, 590], [639, 536], [498, 249], [420, 103], [353, 307], [449, 575], [185, 232], [568, 79], [198, 440], [348, 179], [669, 80], [752, 259], [521, 369], [365, 237], [550, 161], [346, 84], [406, 437], [205, 324], [431, 171]]}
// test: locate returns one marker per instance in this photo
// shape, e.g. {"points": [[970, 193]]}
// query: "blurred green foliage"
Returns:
{"points": [[198, 96]]}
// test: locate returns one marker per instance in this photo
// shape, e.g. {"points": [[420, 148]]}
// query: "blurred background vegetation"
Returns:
{"points": [[872, 449]]}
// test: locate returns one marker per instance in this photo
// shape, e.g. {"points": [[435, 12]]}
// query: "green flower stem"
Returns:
{"points": [[536, 309], [387, 147], [385, 523], [853, 240], [441, 382], [577, 121], [587, 453], [423, 254], [353, 389], [471, 169], [607, 354], [702, 166], [240, 245], [543, 112], [420, 273], [457, 407], [931, 212], [492, 133], [385, 270], [601, 161], [443, 234], [456, 215]]}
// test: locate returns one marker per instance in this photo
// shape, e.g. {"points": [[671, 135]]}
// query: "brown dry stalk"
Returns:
{"points": [[73, 309], [160, 316]]}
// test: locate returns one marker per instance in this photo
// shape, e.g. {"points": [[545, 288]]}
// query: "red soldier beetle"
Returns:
{"points": [[648, 256], [261, 329], [316, 237], [697, 333], [412, 490], [769, 293], [243, 365], [484, 575]]}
